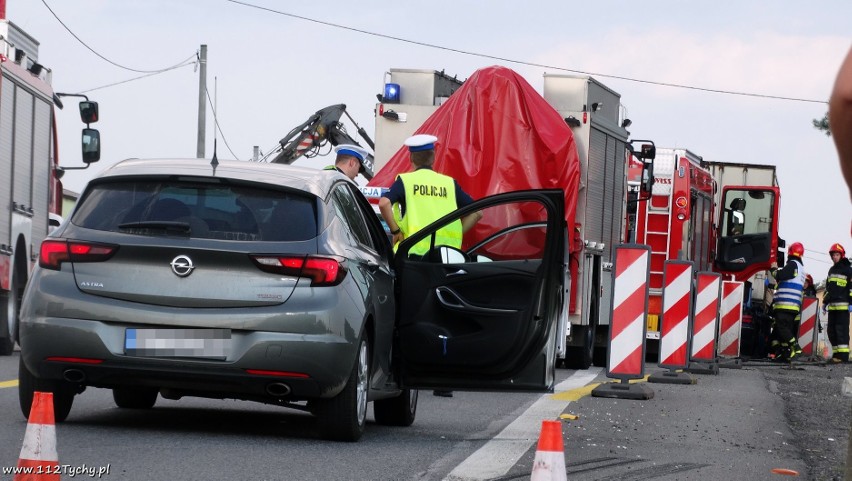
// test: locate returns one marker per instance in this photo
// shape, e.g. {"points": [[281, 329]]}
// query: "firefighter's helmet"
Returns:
{"points": [[837, 248], [796, 249], [809, 279]]}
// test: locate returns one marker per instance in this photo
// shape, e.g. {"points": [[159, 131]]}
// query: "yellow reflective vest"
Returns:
{"points": [[428, 197]]}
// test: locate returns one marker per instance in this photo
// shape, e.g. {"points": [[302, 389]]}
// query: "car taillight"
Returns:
{"points": [[54, 252], [323, 271]]}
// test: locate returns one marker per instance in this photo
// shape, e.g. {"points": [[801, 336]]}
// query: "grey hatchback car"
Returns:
{"points": [[277, 284]]}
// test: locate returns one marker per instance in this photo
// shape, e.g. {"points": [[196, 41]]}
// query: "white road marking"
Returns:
{"points": [[497, 456]]}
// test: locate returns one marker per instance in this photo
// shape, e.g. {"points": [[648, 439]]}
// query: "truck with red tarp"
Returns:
{"points": [[497, 134]]}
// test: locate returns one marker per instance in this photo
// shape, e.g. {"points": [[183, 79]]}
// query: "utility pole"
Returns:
{"points": [[202, 102]]}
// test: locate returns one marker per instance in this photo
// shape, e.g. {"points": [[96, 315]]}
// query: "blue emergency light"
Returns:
{"points": [[391, 95]]}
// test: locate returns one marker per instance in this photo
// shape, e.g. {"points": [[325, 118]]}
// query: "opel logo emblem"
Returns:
{"points": [[182, 266]]}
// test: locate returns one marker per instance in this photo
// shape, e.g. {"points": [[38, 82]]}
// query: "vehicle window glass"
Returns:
{"points": [[378, 231], [747, 212], [348, 210], [201, 210], [507, 232]]}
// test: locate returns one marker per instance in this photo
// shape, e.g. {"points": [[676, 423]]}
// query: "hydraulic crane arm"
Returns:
{"points": [[322, 128]]}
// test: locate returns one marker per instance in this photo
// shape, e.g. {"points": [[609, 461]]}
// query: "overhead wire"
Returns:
{"points": [[400, 39], [104, 58], [818, 260], [136, 78], [192, 60], [216, 122], [522, 62]]}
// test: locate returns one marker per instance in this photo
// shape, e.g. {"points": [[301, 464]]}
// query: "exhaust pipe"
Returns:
{"points": [[74, 375], [277, 389]]}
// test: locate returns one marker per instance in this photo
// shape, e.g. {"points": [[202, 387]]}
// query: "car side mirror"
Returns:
{"points": [[91, 143], [649, 152], [88, 112]]}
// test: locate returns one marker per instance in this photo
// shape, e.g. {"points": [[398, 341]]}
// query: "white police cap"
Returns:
{"points": [[419, 142], [353, 150]]}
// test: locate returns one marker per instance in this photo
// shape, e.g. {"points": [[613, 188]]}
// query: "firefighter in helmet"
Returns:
{"points": [[838, 289], [787, 303], [810, 287]]}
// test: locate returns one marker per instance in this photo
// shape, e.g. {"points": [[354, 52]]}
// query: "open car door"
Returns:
{"points": [[748, 230], [484, 317]]}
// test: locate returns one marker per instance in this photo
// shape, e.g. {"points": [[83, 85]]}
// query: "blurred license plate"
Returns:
{"points": [[200, 343]]}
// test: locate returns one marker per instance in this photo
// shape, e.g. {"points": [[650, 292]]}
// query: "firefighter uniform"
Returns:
{"points": [[838, 290], [787, 303]]}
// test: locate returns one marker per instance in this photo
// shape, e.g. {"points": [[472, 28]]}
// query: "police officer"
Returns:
{"points": [[349, 161], [787, 303], [416, 199], [838, 289]]}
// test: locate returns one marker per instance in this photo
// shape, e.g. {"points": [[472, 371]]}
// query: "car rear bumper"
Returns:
{"points": [[92, 353]]}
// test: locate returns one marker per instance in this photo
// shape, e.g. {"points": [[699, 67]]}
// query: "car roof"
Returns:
{"points": [[315, 181]]}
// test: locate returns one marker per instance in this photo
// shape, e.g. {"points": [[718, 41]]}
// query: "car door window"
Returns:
{"points": [[347, 209]]}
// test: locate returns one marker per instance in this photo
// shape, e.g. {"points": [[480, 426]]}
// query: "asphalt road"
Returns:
{"points": [[738, 424]]}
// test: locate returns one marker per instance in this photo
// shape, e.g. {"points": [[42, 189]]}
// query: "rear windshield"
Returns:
{"points": [[208, 211]]}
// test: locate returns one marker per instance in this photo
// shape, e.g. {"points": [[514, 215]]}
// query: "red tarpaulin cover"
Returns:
{"points": [[497, 134]]}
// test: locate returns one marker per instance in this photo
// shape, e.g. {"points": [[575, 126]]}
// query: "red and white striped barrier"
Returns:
{"points": [[730, 325], [626, 355], [677, 309], [808, 327], [706, 317], [627, 325]]}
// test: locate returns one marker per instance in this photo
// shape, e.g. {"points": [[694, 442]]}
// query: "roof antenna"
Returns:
{"points": [[215, 161]]}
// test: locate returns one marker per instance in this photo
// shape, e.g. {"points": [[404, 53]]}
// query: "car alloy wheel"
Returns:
{"points": [[343, 417]]}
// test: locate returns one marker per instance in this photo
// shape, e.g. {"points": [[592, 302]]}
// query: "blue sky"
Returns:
{"points": [[271, 71]]}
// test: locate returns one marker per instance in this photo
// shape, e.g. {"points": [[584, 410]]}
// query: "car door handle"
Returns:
{"points": [[459, 272], [448, 298]]}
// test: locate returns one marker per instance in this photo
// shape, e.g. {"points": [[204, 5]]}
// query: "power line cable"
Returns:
{"points": [[818, 260], [101, 56], [522, 62], [137, 78], [216, 121]]}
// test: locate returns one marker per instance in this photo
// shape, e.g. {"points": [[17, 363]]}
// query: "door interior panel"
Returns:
{"points": [[483, 315], [475, 320], [740, 252]]}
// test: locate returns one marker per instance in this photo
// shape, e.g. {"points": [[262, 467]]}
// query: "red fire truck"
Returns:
{"points": [[722, 216], [30, 189]]}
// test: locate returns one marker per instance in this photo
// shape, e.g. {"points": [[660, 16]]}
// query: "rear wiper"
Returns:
{"points": [[152, 227]]}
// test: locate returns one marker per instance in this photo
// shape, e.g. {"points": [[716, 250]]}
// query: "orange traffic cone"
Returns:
{"points": [[549, 464], [39, 460]]}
